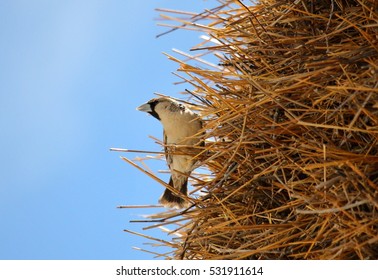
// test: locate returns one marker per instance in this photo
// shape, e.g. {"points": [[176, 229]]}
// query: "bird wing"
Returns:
{"points": [[168, 155]]}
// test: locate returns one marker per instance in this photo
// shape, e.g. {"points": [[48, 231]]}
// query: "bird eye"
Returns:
{"points": [[153, 104]]}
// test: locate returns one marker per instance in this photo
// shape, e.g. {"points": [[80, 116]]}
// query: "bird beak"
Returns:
{"points": [[144, 108]]}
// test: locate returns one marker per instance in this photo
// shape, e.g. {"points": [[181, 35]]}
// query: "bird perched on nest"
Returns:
{"points": [[181, 127]]}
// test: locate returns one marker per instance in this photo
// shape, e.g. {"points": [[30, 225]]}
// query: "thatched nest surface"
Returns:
{"points": [[291, 118]]}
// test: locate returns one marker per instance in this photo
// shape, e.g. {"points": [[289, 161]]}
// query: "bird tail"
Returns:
{"points": [[169, 199]]}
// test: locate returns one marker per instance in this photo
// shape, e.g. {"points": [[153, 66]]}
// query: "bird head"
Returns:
{"points": [[161, 107]]}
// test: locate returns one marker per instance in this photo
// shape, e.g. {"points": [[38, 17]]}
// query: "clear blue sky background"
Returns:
{"points": [[71, 75]]}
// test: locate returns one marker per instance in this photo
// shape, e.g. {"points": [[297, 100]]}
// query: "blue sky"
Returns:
{"points": [[71, 75]]}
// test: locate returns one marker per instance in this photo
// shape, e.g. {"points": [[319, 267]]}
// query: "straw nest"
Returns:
{"points": [[291, 118]]}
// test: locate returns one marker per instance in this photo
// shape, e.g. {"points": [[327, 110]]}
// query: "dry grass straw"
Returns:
{"points": [[291, 116]]}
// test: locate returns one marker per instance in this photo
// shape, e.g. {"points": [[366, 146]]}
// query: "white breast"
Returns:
{"points": [[181, 129]]}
